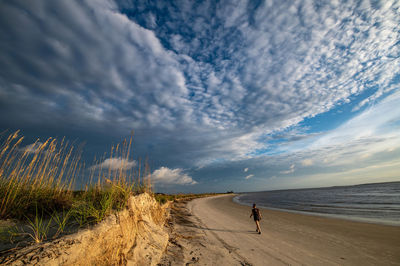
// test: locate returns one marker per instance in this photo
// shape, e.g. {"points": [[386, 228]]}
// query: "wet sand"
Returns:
{"points": [[217, 231]]}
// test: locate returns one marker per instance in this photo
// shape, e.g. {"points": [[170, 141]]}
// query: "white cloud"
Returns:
{"points": [[32, 148], [164, 175], [307, 162], [115, 164], [245, 170], [249, 176], [151, 20], [291, 170]]}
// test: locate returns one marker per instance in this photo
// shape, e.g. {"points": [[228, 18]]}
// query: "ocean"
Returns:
{"points": [[373, 203]]}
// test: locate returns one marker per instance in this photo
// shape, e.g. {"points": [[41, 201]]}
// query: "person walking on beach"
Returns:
{"points": [[255, 212]]}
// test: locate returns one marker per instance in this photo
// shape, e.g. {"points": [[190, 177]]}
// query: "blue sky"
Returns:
{"points": [[222, 95]]}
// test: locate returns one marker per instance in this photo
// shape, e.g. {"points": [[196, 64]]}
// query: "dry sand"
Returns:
{"points": [[217, 231]]}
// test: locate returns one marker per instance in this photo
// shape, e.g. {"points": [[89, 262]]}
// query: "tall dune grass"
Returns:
{"points": [[41, 175], [41, 179]]}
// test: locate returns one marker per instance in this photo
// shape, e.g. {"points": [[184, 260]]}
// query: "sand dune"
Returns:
{"points": [[133, 236]]}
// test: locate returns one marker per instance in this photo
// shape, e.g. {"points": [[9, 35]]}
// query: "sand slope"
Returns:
{"points": [[133, 236], [226, 236]]}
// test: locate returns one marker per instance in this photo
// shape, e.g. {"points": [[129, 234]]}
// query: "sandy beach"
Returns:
{"points": [[217, 231]]}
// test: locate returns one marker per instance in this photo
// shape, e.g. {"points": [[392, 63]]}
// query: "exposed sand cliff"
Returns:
{"points": [[134, 236]]}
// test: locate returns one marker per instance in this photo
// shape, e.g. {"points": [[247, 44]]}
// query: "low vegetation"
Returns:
{"points": [[163, 198], [38, 182]]}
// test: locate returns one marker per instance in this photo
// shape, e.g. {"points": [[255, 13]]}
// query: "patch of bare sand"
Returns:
{"points": [[190, 244], [217, 231]]}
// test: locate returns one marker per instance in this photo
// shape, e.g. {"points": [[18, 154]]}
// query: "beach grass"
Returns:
{"points": [[38, 186]]}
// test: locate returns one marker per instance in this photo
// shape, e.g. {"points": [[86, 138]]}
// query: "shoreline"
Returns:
{"points": [[326, 215], [217, 230]]}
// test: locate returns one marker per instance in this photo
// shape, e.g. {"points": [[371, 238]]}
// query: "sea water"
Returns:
{"points": [[374, 203]]}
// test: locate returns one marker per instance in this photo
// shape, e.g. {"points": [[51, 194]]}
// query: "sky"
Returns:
{"points": [[221, 95]]}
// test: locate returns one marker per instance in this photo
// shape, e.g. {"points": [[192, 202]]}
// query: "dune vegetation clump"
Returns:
{"points": [[38, 187], [164, 198]]}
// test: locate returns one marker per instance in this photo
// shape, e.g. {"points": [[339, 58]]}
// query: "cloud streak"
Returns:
{"points": [[290, 171], [248, 177]]}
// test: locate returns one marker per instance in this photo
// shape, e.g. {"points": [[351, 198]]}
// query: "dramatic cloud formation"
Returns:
{"points": [[165, 175], [206, 85]]}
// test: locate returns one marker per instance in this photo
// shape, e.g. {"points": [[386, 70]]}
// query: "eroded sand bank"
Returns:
{"points": [[134, 236]]}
